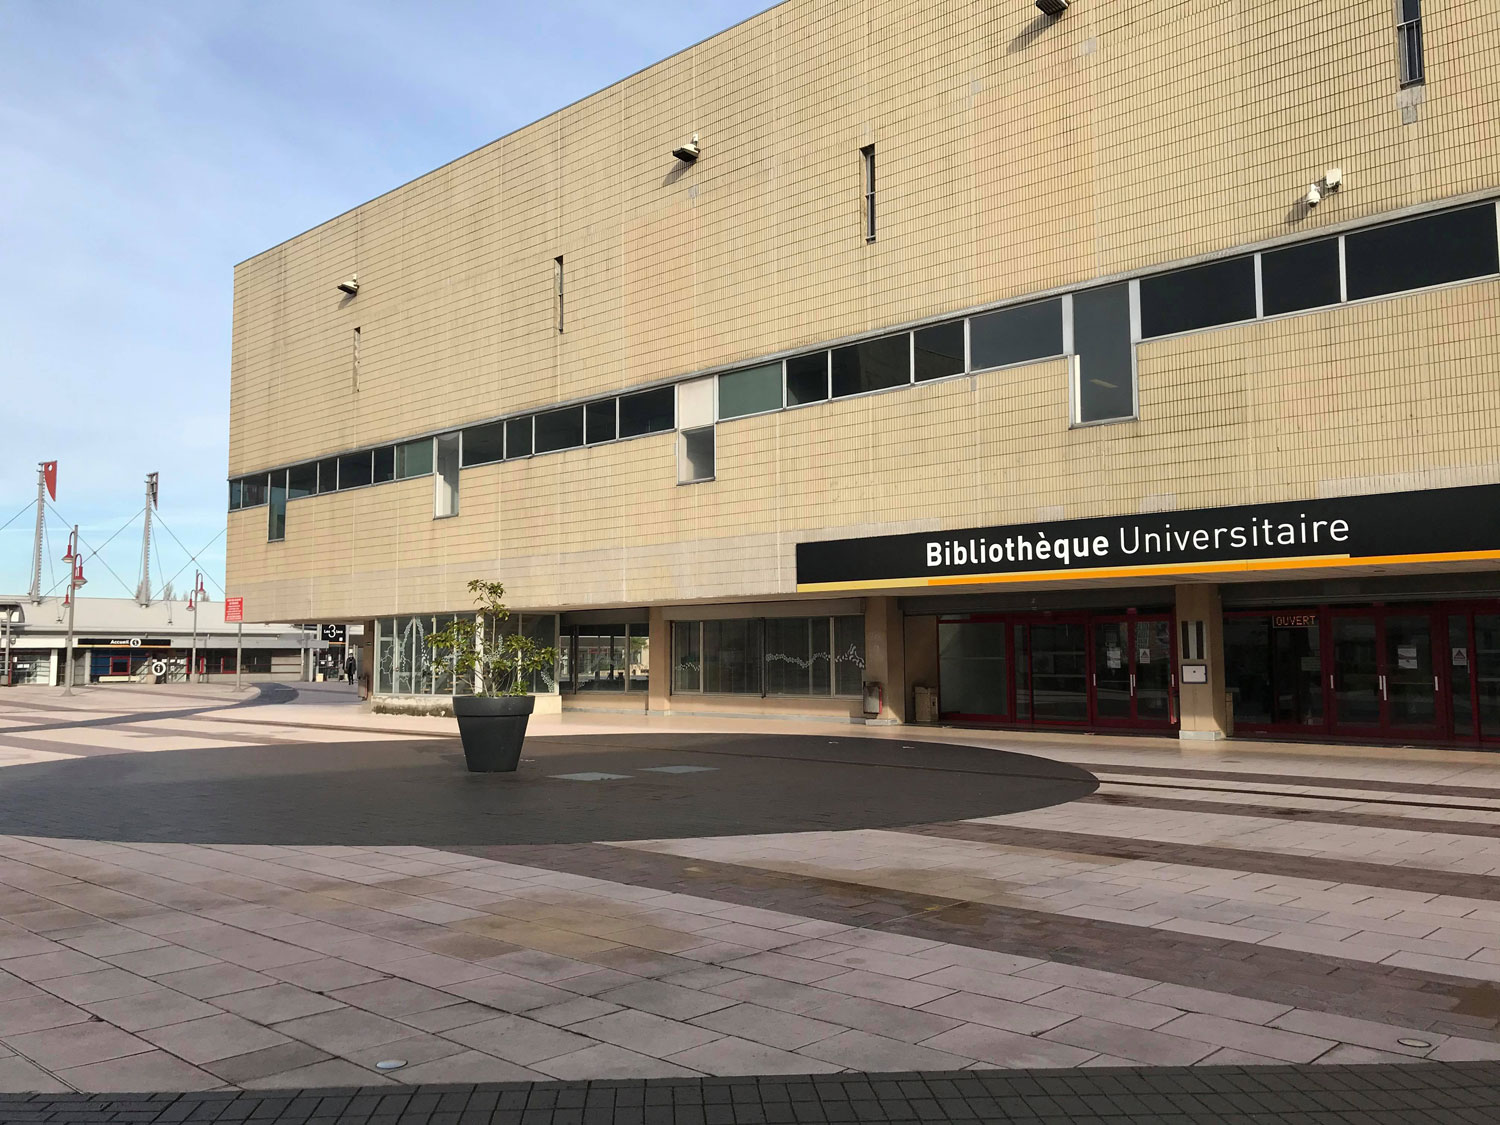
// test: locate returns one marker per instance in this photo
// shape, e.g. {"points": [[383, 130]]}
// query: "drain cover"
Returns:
{"points": [[1414, 1042], [390, 1064]]}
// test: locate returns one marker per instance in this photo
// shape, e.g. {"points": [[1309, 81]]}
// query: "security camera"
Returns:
{"points": [[688, 152], [351, 286], [1314, 195]]}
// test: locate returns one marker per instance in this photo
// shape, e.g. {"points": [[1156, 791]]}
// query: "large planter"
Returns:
{"points": [[492, 728]]}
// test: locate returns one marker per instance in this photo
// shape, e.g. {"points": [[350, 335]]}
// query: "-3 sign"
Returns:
{"points": [[334, 634]]}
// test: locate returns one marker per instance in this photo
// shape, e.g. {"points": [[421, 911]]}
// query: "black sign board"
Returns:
{"points": [[334, 633], [1434, 525]]}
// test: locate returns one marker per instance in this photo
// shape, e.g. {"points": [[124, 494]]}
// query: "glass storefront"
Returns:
{"points": [[405, 663], [769, 656]]}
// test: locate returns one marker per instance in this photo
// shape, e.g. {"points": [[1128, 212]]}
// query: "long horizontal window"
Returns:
{"points": [[769, 656], [1097, 327]]}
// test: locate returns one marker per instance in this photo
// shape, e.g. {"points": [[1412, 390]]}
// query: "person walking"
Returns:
{"points": [[349, 666]]}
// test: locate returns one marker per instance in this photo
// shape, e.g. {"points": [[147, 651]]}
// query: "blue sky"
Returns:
{"points": [[146, 147]]}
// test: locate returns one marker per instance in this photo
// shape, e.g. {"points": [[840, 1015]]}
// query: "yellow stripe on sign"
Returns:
{"points": [[1159, 570]]}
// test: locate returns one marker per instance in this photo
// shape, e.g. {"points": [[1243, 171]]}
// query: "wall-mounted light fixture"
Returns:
{"points": [[351, 286], [688, 152], [1053, 8]]}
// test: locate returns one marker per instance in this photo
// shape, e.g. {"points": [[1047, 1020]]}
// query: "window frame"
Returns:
{"points": [[1411, 61], [867, 184]]}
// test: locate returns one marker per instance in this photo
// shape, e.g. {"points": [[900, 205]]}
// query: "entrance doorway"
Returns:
{"points": [[1077, 671]]}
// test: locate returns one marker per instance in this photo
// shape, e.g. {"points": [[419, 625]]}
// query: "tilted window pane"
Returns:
{"points": [[385, 464], [599, 417], [253, 491], [414, 459], [484, 444], [752, 391], [354, 470], [1304, 276], [1198, 297], [1019, 335], [235, 492], [687, 659], [849, 655], [445, 494], [517, 438], [301, 480], [807, 378], [559, 429], [1101, 337], [940, 350], [696, 455], [649, 412], [1432, 250], [695, 403], [732, 657], [872, 365], [276, 513], [328, 474]]}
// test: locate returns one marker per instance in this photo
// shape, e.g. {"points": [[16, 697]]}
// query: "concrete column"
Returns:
{"points": [[659, 676], [1204, 715], [885, 657]]}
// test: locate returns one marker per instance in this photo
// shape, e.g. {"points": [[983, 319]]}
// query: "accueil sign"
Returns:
{"points": [[1449, 524]]}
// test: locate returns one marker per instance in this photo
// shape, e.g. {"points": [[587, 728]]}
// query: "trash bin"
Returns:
{"points": [[874, 697]]}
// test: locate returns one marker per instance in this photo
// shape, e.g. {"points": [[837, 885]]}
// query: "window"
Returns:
{"points": [[807, 378], [848, 655], [1104, 367], [484, 444], [752, 391], [385, 464], [328, 474], [354, 470], [600, 421], [799, 656], [1304, 276], [356, 359], [445, 496], [695, 455], [557, 283], [301, 480], [939, 350], [414, 459], [687, 656], [649, 412], [732, 657], [1022, 334], [518, 438], [236, 495], [867, 159], [1409, 41], [1198, 297], [872, 366], [1432, 250], [559, 429], [276, 514]]}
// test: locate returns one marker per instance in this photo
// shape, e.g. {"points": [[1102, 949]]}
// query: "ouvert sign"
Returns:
{"points": [[1432, 525]]}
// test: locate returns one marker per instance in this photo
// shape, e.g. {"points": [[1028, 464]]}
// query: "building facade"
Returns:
{"points": [[1134, 368]]}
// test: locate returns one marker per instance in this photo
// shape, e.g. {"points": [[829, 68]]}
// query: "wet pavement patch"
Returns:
{"points": [[418, 792]]}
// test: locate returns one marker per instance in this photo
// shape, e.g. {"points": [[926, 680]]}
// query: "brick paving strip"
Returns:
{"points": [[1285, 812], [1311, 781], [1273, 1095], [1423, 880], [1386, 994]]}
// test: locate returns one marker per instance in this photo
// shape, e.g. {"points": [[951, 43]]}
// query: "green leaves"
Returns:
{"points": [[488, 658]]}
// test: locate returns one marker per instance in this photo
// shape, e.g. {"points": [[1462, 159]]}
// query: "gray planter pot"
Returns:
{"points": [[492, 729]]}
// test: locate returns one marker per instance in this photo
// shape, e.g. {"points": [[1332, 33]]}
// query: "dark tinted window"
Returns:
{"points": [[276, 513], [518, 438], [1200, 297], [807, 378], [253, 491], [600, 417], [1019, 335], [328, 474], [872, 365], [385, 464], [235, 492], [752, 391], [483, 444], [301, 480], [1305, 276], [649, 412], [1101, 337], [354, 469], [940, 350], [559, 429], [413, 458], [1421, 252]]}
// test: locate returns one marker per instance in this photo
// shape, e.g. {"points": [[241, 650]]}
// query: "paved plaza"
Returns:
{"points": [[205, 892]]}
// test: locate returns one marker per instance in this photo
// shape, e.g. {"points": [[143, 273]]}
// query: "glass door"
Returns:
{"points": [[1151, 652], [1058, 657], [1410, 678], [1111, 676], [1356, 679], [1132, 673]]}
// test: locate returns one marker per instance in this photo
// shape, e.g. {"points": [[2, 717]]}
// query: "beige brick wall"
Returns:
{"points": [[1015, 155]]}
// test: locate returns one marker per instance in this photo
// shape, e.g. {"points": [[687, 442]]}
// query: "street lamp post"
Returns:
{"points": [[74, 559], [193, 599]]}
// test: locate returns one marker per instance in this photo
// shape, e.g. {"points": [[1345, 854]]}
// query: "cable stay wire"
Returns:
{"points": [[94, 551], [25, 508], [193, 557]]}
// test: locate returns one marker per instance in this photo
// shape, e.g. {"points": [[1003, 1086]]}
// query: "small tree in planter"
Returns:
{"points": [[499, 666]]}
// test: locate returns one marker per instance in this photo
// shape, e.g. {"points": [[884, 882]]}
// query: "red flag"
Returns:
{"points": [[49, 474]]}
